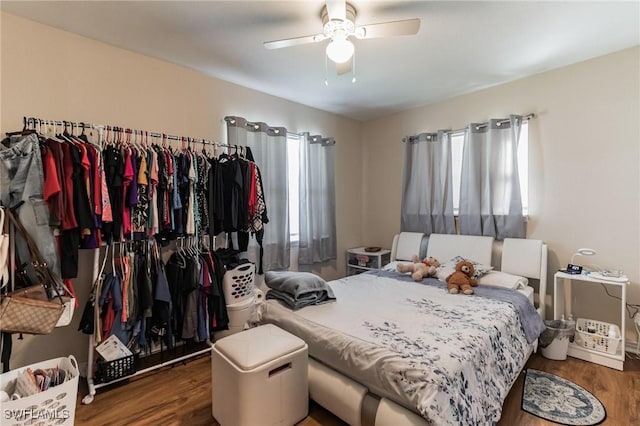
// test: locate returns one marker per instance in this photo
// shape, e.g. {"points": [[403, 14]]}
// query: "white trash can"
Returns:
{"points": [[554, 341]]}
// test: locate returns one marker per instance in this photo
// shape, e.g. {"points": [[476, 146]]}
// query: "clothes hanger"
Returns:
{"points": [[24, 132]]}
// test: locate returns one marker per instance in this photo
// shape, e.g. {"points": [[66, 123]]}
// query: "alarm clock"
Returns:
{"points": [[573, 269]]}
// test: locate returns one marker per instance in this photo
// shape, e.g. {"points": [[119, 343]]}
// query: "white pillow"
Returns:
{"points": [[449, 268], [503, 279], [391, 266]]}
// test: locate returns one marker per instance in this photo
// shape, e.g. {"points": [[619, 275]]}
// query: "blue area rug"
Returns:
{"points": [[553, 398]]}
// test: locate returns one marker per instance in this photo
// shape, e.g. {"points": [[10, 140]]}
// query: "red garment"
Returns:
{"points": [[97, 181], [69, 218], [253, 196], [52, 188]]}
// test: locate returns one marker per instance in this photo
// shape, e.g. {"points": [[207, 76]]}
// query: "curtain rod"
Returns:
{"points": [[479, 126], [31, 121]]}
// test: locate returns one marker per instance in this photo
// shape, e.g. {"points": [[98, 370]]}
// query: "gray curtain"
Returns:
{"points": [[490, 200], [269, 148], [317, 200], [427, 193]]}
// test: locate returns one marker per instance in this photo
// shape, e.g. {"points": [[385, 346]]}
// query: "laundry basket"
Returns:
{"points": [[237, 283], [55, 406], [597, 335]]}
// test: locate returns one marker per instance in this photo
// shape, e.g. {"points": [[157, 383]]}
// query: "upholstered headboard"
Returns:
{"points": [[523, 257], [407, 244], [446, 246], [527, 258]]}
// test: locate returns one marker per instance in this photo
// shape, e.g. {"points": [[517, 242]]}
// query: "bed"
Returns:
{"points": [[391, 351]]}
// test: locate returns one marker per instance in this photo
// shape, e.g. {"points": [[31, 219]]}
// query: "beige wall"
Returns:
{"points": [[584, 156], [53, 74]]}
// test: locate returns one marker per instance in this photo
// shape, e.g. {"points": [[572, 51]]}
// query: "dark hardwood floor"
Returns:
{"points": [[181, 395]]}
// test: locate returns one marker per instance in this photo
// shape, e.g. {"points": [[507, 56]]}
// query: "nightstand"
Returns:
{"points": [[359, 260], [562, 286]]}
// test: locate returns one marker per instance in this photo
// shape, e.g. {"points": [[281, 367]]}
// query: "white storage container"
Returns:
{"points": [[239, 314], [560, 332], [55, 406], [237, 283], [598, 335], [259, 377]]}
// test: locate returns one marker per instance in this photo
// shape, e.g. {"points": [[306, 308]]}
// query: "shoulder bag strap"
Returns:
{"points": [[39, 265]]}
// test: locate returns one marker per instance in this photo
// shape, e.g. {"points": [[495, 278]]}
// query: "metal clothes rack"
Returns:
{"points": [[37, 123], [92, 386], [32, 123]]}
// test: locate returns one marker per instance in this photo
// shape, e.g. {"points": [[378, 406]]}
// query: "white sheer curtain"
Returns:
{"points": [[317, 200], [269, 148], [427, 193], [490, 200]]}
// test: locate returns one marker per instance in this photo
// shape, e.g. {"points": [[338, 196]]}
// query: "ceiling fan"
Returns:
{"points": [[338, 19]]}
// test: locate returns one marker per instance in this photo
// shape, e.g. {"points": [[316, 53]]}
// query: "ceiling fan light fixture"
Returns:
{"points": [[340, 50]]}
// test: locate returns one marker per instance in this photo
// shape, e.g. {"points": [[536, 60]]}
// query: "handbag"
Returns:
{"points": [[19, 313]]}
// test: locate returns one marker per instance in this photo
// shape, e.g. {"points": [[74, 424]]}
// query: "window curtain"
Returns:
{"points": [[427, 192], [490, 200], [269, 148], [317, 200]]}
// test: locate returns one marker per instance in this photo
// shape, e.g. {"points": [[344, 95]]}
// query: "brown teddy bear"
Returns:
{"points": [[428, 267], [462, 278]]}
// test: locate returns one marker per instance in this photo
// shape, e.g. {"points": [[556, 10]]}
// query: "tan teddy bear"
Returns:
{"points": [[462, 278], [428, 267]]}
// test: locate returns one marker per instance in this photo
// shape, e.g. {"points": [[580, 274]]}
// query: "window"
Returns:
{"points": [[293, 161], [457, 143]]}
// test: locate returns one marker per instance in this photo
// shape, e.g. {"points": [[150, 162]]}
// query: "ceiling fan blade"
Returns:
{"points": [[345, 67], [287, 42], [336, 9], [387, 29]]}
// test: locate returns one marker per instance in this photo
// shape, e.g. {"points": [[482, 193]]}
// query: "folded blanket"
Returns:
{"points": [[297, 289]]}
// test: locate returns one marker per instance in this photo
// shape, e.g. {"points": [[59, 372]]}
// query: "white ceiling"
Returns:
{"points": [[461, 46]]}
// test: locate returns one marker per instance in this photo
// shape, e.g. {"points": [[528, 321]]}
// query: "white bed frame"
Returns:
{"points": [[350, 400]]}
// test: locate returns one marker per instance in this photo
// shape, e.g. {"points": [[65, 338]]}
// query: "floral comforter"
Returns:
{"points": [[450, 358]]}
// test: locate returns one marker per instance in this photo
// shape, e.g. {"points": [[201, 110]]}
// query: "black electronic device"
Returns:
{"points": [[573, 269]]}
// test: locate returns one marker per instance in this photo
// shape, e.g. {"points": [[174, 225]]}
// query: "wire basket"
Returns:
{"points": [[237, 283], [55, 406], [597, 335], [109, 371]]}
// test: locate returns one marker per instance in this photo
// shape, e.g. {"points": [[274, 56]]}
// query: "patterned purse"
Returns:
{"points": [[23, 311]]}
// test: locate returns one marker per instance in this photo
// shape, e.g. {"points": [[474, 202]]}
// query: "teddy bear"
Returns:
{"points": [[462, 278], [428, 267]]}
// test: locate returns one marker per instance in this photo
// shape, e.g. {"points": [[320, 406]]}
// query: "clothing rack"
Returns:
{"points": [[34, 123], [92, 386]]}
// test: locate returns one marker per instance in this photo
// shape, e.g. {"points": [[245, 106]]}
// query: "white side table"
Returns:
{"points": [[562, 283], [359, 260]]}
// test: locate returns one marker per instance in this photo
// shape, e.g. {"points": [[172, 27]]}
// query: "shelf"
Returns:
{"points": [[360, 260], [610, 360], [562, 300], [587, 278], [362, 267]]}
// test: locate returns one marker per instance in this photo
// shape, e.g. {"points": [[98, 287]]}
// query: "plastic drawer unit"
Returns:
{"points": [[259, 377]]}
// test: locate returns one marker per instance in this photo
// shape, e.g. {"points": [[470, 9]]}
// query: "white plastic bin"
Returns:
{"points": [[55, 406], [259, 378], [239, 314], [554, 341]]}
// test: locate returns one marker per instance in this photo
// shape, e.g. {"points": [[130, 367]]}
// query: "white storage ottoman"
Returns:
{"points": [[259, 378]]}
